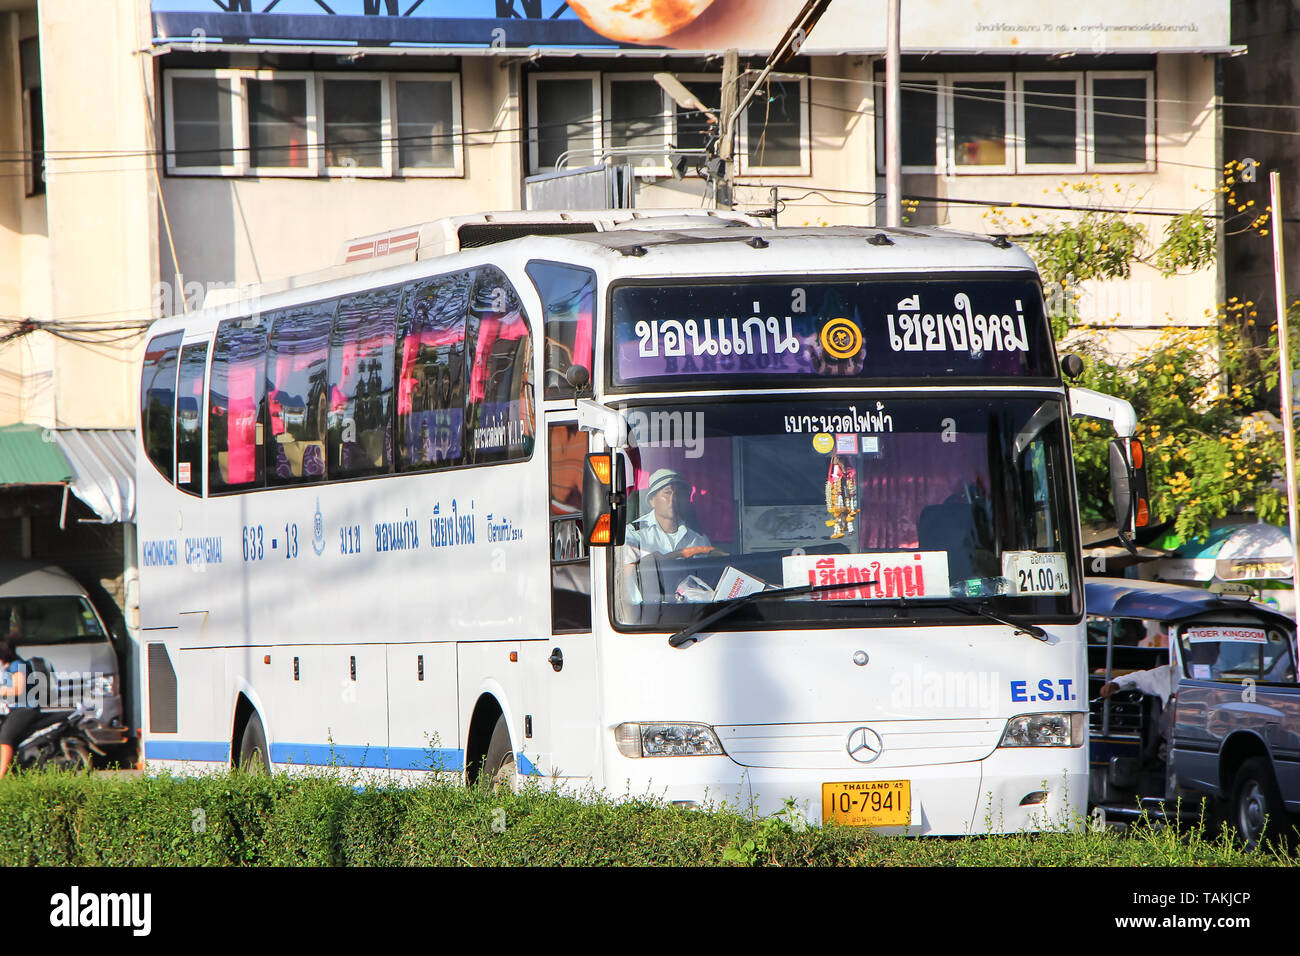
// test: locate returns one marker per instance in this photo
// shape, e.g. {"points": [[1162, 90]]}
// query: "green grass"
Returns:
{"points": [[325, 819]]}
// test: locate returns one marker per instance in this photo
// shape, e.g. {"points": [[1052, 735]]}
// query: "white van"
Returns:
{"points": [[51, 618]]}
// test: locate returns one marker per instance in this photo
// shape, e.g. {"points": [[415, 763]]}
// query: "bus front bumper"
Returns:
{"points": [[1011, 790]]}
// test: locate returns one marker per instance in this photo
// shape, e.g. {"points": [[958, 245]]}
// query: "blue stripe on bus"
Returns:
{"points": [[381, 758], [324, 755], [526, 766], [198, 751]]}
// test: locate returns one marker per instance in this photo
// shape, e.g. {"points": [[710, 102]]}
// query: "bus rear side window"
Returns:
{"points": [[189, 418], [237, 405], [431, 390], [501, 388], [568, 297], [361, 384], [297, 359], [158, 401]]}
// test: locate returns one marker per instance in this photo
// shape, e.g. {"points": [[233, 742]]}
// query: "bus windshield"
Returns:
{"points": [[917, 505]]}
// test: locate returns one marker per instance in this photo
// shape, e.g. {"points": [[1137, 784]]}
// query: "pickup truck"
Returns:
{"points": [[1231, 729]]}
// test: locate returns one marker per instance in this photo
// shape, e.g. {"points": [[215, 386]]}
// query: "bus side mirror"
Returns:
{"points": [[1128, 486], [604, 510]]}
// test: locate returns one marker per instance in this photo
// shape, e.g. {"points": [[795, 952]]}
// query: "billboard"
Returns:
{"points": [[706, 26]]}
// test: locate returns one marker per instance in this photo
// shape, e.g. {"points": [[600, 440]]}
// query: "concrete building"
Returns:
{"points": [[156, 152]]}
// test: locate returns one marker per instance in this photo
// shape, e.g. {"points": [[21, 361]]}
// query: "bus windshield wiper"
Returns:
{"points": [[687, 634], [980, 610]]}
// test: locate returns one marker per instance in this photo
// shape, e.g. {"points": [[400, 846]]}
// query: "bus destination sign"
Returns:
{"points": [[920, 328]]}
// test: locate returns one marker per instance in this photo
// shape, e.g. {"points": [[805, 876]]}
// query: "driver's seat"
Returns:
{"points": [[962, 529]]}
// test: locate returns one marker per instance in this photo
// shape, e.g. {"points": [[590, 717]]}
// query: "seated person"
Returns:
{"points": [[662, 531]]}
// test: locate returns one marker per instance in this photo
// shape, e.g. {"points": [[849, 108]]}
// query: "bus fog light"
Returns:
{"points": [[1044, 730], [666, 740]]}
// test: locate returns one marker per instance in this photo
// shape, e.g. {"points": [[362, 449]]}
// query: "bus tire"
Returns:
{"points": [[1256, 810], [498, 770], [252, 747]]}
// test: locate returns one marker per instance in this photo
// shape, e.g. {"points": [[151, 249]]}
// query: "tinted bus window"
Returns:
{"points": [[361, 384], [431, 388], [158, 400], [189, 418], [237, 405], [297, 358], [568, 297], [501, 389]]}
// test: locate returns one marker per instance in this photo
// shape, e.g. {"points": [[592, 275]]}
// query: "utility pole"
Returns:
{"points": [[721, 168], [1284, 376], [723, 195], [893, 119]]}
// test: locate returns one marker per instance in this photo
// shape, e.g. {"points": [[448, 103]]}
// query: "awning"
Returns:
{"points": [[103, 469], [1242, 553], [29, 456], [95, 464]]}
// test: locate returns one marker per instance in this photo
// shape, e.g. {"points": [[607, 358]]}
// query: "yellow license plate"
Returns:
{"points": [[868, 803]]}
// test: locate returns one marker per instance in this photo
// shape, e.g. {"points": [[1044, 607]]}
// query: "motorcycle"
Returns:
{"points": [[64, 741]]}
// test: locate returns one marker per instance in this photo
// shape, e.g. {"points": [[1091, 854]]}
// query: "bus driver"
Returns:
{"points": [[662, 531]]}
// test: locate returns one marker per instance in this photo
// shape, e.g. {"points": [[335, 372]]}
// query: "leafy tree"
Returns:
{"points": [[1198, 392]]}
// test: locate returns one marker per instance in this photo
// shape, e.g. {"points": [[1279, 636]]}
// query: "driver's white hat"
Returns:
{"points": [[662, 479]]}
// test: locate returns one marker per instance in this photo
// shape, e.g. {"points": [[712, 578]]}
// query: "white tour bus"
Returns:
{"points": [[829, 468]]}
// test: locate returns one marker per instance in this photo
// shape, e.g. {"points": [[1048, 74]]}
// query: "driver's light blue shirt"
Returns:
{"points": [[646, 536]]}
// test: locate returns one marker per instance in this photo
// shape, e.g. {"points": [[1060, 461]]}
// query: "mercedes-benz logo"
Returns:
{"points": [[864, 744]]}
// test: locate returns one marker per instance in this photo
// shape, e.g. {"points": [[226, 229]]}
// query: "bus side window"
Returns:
{"points": [[432, 385], [297, 359], [361, 384], [500, 425], [570, 568], [189, 418], [158, 401], [237, 405], [568, 296]]}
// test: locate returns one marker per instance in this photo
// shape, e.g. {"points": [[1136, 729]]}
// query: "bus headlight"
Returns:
{"points": [[1045, 730], [667, 740], [103, 685]]}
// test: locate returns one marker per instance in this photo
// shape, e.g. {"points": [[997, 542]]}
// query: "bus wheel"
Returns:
{"points": [[252, 748], [1257, 810], [499, 764]]}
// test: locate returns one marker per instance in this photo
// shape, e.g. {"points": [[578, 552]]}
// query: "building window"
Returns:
{"points": [[277, 124], [29, 56], [1122, 119], [355, 117], [692, 129], [627, 118], [774, 128], [565, 119], [428, 127], [920, 129], [1048, 122], [981, 124], [638, 118], [204, 132], [269, 123], [1051, 122]]}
